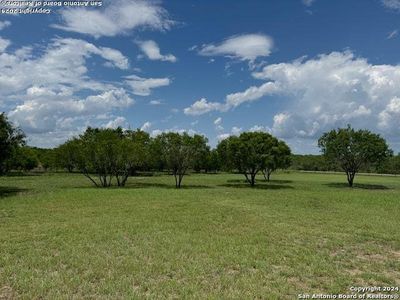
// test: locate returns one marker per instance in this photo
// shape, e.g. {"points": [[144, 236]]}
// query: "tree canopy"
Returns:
{"points": [[353, 149], [11, 138], [180, 152], [252, 152]]}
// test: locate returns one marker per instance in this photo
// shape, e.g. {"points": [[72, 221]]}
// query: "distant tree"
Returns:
{"points": [[352, 150], [279, 158], [24, 159], [213, 163], [390, 166], [67, 154], [225, 163], [310, 163], [98, 154], [249, 153], [11, 138], [202, 152], [46, 157], [179, 151], [156, 159], [132, 154]]}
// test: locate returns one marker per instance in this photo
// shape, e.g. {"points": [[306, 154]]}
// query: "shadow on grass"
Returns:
{"points": [[149, 185], [165, 186], [6, 191], [268, 186], [272, 181], [363, 186], [23, 174]]}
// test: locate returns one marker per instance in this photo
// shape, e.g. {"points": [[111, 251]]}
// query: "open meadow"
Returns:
{"points": [[215, 238]]}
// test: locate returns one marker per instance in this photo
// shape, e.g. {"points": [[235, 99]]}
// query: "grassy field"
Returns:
{"points": [[216, 238]]}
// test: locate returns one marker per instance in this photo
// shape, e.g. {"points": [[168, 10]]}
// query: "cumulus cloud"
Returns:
{"points": [[115, 18], [44, 113], [152, 51], [235, 131], [233, 100], [389, 118], [117, 122], [143, 86], [392, 4], [4, 24], [62, 66], [322, 93], [242, 47], [146, 126], [334, 90], [202, 106], [50, 94], [4, 44]]}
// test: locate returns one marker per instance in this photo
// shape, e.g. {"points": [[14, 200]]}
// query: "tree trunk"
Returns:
{"points": [[267, 174], [253, 179], [180, 180], [247, 178], [350, 177], [90, 178], [176, 180]]}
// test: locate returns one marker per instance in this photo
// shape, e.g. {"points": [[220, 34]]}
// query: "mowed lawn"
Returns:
{"points": [[217, 238]]}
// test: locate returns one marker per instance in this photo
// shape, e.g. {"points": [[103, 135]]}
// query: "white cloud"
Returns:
{"points": [[4, 44], [47, 112], [155, 102], [152, 51], [308, 2], [146, 126], [202, 106], [143, 86], [43, 93], [61, 66], [251, 94], [259, 128], [389, 118], [322, 93], [218, 124], [190, 132], [243, 47], [233, 100], [392, 4], [393, 34], [4, 24], [223, 136], [118, 17], [235, 131], [218, 121], [334, 90], [117, 122]]}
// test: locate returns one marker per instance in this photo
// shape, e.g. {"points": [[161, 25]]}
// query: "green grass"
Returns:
{"points": [[217, 238]]}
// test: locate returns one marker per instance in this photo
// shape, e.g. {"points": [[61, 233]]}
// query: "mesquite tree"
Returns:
{"points": [[279, 158], [11, 138], [132, 153], [249, 153], [179, 152], [352, 150]]}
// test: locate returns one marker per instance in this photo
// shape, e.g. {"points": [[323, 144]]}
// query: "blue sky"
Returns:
{"points": [[292, 68]]}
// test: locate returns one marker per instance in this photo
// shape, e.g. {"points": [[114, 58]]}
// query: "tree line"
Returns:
{"points": [[109, 157]]}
